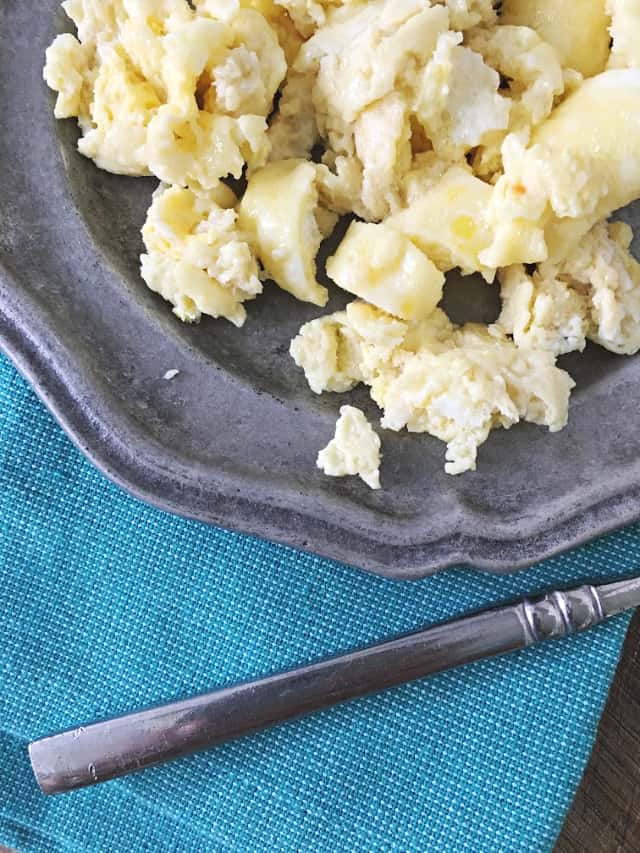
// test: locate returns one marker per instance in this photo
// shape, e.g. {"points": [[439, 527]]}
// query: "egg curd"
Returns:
{"points": [[458, 134]]}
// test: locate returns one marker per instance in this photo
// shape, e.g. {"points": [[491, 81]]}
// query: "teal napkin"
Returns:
{"points": [[107, 605]]}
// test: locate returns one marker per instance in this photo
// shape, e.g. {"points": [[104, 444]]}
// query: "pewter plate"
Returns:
{"points": [[233, 439]]}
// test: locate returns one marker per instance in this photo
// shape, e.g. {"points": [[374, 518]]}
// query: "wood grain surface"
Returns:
{"points": [[605, 815]]}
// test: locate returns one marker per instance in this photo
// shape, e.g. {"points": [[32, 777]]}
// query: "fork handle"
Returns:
{"points": [[104, 750]]}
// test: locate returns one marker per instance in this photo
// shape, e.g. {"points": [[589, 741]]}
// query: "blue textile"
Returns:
{"points": [[107, 605]]}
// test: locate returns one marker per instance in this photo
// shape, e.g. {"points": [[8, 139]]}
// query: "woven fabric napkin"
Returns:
{"points": [[107, 605]]}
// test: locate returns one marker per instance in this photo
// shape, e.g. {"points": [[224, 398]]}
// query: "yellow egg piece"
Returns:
{"points": [[447, 221], [577, 29], [386, 269], [278, 212]]}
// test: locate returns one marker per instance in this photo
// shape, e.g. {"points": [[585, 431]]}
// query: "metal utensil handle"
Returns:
{"points": [[94, 753]]}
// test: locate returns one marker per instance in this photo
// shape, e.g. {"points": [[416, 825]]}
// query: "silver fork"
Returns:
{"points": [[86, 755]]}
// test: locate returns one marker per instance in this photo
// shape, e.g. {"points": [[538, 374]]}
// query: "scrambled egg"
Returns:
{"points": [[535, 79], [462, 134], [593, 293], [196, 257], [459, 102], [388, 270], [294, 130], [625, 33], [576, 29], [159, 88], [456, 383], [448, 221], [355, 449], [578, 168], [279, 212], [373, 54]]}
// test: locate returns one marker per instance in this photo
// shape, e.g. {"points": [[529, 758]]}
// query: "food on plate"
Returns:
{"points": [[456, 383], [279, 211], [384, 267], [535, 80], [160, 88], [578, 30], [196, 257], [578, 168], [459, 102], [355, 449], [447, 219], [625, 33], [593, 293], [493, 139]]}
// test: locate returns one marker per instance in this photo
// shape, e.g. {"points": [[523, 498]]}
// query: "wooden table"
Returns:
{"points": [[605, 815]]}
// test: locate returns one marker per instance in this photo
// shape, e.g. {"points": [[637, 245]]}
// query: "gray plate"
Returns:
{"points": [[233, 439]]}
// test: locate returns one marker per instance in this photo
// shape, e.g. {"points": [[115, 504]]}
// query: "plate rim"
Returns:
{"points": [[43, 370]]}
